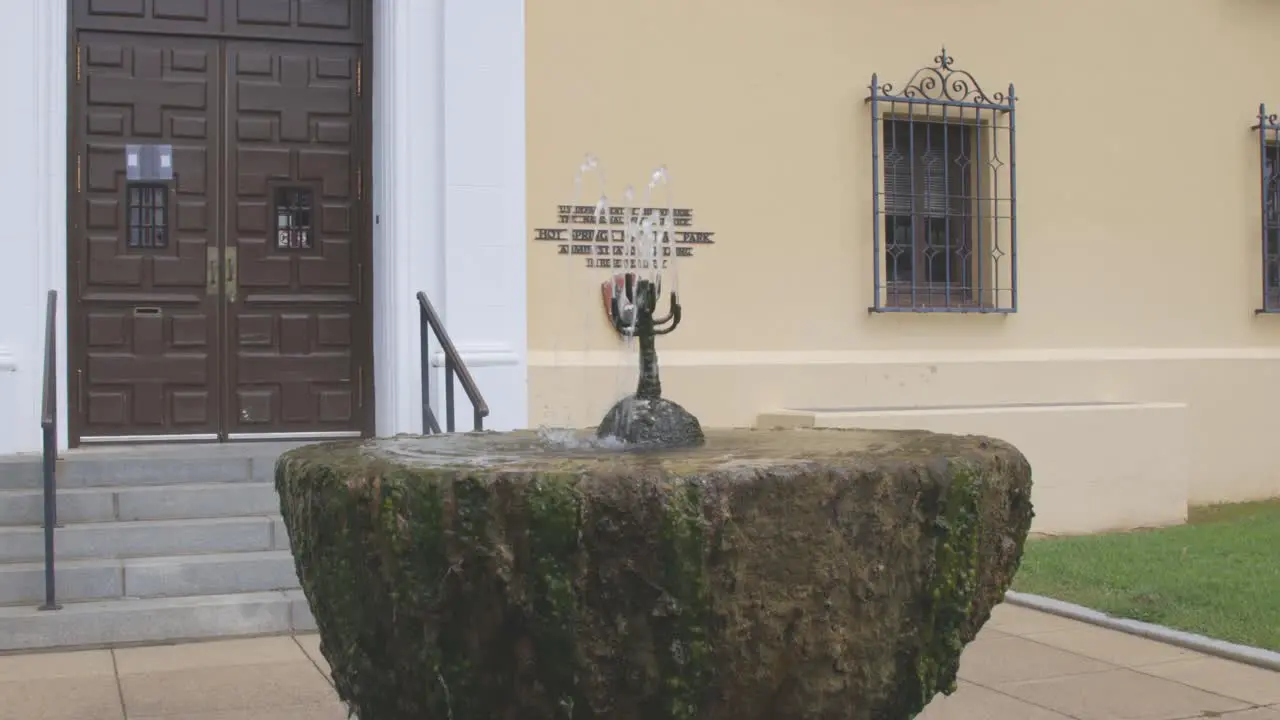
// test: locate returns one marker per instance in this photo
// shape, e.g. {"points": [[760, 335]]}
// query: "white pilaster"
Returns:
{"points": [[408, 87], [450, 198], [485, 238], [33, 235]]}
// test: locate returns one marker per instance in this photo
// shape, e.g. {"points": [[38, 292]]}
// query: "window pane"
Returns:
{"points": [[899, 255], [293, 218], [897, 180]]}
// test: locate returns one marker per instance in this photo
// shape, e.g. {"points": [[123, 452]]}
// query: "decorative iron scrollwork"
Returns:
{"points": [[942, 82], [943, 194]]}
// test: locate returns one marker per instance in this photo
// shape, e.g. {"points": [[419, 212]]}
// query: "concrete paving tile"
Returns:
{"points": [[49, 666], [327, 711], [1111, 646], [225, 689], [1224, 677], [990, 633], [1010, 659], [1121, 694], [68, 698], [971, 702], [310, 643], [1015, 620], [222, 653]]}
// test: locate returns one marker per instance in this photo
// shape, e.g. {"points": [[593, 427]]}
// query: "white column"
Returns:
{"points": [[408, 87]]}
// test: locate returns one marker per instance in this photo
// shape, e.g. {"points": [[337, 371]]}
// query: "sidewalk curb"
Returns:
{"points": [[1256, 657]]}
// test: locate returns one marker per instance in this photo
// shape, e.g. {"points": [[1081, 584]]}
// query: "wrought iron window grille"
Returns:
{"points": [[944, 194], [1268, 128], [147, 216], [294, 219]]}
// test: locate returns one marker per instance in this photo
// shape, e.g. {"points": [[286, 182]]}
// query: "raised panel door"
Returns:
{"points": [[294, 315], [145, 332]]}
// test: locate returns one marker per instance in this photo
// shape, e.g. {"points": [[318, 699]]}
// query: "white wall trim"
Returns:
{"points": [[939, 356], [481, 356]]}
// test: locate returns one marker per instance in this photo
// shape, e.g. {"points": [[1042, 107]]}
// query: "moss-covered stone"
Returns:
{"points": [[766, 574]]}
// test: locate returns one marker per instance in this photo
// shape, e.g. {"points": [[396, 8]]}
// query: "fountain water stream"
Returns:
{"points": [[645, 418]]}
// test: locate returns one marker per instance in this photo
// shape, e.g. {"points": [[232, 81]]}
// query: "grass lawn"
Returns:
{"points": [[1219, 575]]}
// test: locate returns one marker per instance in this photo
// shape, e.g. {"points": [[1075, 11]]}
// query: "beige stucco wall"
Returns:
{"points": [[1138, 209]]}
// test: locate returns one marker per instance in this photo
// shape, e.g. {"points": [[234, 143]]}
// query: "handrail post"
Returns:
{"points": [[49, 454], [448, 394], [50, 518], [424, 330]]}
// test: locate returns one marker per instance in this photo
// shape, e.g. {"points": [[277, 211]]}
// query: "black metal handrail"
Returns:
{"points": [[49, 429], [429, 321]]}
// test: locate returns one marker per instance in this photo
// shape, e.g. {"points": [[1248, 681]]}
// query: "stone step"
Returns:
{"points": [[124, 621], [160, 502], [149, 538], [177, 576]]}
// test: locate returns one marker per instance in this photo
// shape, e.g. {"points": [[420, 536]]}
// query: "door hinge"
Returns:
{"points": [[360, 386], [359, 182], [359, 77], [78, 173], [77, 63]]}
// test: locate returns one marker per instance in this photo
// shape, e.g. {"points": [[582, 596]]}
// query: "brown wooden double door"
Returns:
{"points": [[218, 231]]}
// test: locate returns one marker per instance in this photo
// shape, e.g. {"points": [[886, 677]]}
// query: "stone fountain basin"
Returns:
{"points": [[767, 574]]}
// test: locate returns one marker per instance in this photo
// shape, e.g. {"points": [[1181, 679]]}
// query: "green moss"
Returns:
{"points": [[682, 636], [461, 613], [954, 584], [555, 530], [413, 520], [653, 588]]}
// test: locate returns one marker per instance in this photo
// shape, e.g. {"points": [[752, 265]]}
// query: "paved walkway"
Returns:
{"points": [[1024, 666]]}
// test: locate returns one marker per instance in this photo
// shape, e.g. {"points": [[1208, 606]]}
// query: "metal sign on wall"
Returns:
{"points": [[601, 242]]}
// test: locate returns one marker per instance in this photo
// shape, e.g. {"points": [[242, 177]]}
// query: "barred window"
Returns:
{"points": [[1269, 163], [147, 215], [294, 230], [944, 195]]}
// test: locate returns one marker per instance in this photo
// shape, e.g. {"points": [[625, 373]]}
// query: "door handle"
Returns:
{"points": [[232, 282], [211, 271]]}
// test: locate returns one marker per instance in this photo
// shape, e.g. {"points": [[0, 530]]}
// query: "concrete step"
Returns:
{"points": [[142, 465], [176, 576], [124, 621], [149, 538], [158, 502]]}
